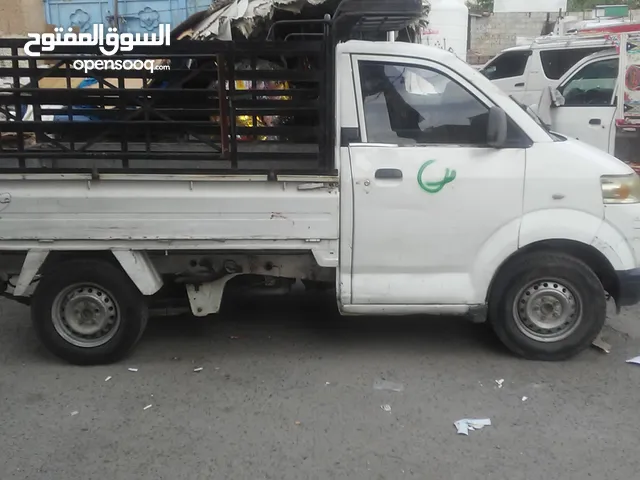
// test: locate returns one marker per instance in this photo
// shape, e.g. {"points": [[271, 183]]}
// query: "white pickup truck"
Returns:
{"points": [[443, 197]]}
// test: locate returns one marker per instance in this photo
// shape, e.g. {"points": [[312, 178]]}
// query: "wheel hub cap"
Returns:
{"points": [[547, 311], [85, 315]]}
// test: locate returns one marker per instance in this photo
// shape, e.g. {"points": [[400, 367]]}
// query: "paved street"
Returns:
{"points": [[286, 392]]}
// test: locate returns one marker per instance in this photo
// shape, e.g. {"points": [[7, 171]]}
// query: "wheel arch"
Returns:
{"points": [[135, 264], [588, 254], [58, 256]]}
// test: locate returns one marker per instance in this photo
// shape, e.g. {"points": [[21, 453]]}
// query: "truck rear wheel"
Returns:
{"points": [[547, 306], [88, 312]]}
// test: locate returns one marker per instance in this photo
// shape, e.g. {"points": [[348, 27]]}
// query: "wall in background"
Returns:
{"points": [[490, 35], [19, 17]]}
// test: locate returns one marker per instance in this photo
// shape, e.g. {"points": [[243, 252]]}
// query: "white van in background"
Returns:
{"points": [[525, 71], [596, 102]]}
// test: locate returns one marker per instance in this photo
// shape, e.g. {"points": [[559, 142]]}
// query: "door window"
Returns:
{"points": [[558, 62], [594, 84], [408, 105], [507, 65]]}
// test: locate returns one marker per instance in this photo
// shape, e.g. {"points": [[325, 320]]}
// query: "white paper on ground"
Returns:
{"points": [[635, 361], [466, 425]]}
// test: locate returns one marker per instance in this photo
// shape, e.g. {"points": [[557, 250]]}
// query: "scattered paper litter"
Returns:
{"points": [[108, 378], [386, 408], [467, 425], [147, 407], [133, 369], [601, 345], [385, 385], [635, 361], [524, 399], [74, 413], [500, 382], [199, 369]]}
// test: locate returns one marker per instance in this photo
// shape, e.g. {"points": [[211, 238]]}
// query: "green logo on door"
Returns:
{"points": [[435, 187]]}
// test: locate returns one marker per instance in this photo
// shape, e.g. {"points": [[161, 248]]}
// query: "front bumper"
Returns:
{"points": [[629, 283]]}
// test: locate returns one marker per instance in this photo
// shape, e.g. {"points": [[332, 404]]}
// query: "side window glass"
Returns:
{"points": [[507, 65], [409, 105], [558, 62], [593, 85]]}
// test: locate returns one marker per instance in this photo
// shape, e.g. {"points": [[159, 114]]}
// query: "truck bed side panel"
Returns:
{"points": [[166, 210]]}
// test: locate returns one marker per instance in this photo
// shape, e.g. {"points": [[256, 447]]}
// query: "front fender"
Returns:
{"points": [[613, 245], [542, 226], [560, 224], [528, 230]]}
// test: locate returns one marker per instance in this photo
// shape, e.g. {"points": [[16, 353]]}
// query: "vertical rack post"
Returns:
{"points": [[223, 105]]}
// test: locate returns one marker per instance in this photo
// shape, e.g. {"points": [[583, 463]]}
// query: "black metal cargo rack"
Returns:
{"points": [[188, 118], [192, 117]]}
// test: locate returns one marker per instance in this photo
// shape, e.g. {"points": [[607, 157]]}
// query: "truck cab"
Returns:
{"points": [[419, 155]]}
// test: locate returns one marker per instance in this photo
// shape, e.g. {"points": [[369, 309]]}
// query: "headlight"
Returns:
{"points": [[621, 189]]}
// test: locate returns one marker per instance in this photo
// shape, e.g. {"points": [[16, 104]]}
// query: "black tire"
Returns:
{"points": [[508, 306], [123, 295]]}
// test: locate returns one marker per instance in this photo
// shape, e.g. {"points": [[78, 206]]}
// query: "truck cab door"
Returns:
{"points": [[431, 201], [589, 110]]}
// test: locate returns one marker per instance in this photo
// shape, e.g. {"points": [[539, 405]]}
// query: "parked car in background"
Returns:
{"points": [[598, 102], [525, 71]]}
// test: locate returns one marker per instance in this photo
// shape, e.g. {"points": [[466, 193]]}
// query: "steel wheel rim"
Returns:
{"points": [[548, 310], [85, 315]]}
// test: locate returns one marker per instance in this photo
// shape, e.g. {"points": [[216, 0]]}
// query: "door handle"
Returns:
{"points": [[389, 174], [595, 121], [519, 85]]}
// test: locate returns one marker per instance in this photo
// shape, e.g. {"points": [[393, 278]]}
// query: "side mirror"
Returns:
{"points": [[557, 99], [497, 128]]}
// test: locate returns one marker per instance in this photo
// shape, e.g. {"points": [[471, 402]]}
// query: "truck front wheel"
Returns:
{"points": [[547, 306], [88, 312]]}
